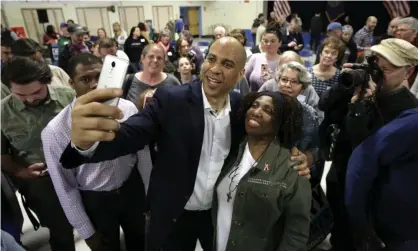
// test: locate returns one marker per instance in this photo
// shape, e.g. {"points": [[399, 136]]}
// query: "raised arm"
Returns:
{"points": [[92, 122]]}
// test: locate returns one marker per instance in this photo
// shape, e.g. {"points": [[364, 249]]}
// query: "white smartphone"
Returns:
{"points": [[113, 75]]}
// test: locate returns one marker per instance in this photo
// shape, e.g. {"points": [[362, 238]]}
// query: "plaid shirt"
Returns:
{"points": [[363, 38]]}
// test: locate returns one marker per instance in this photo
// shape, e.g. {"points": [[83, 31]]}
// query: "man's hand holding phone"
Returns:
{"points": [[93, 120]]}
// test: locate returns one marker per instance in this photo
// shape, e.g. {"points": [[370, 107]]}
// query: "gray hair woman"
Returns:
{"points": [[292, 78], [350, 53], [307, 93], [165, 39], [347, 32]]}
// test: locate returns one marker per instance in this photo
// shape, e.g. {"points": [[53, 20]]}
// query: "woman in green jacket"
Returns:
{"points": [[260, 202]]}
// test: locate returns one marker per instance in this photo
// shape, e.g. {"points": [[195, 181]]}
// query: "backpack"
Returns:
{"points": [[127, 84]]}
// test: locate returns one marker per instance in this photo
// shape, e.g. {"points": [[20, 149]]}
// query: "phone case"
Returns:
{"points": [[113, 75]]}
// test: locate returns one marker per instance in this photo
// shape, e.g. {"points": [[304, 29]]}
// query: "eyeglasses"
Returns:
{"points": [[292, 82]]}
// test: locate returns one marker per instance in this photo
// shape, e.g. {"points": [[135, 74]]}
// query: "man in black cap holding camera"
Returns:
{"points": [[75, 46]]}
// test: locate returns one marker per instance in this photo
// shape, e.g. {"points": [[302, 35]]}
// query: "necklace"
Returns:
{"points": [[235, 173]]}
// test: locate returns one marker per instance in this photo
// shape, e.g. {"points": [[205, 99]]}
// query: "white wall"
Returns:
{"points": [[234, 13]]}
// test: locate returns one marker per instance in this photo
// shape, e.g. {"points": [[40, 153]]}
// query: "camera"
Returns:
{"points": [[113, 64], [361, 73]]}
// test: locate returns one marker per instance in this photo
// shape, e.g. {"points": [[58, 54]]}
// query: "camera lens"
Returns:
{"points": [[113, 64]]}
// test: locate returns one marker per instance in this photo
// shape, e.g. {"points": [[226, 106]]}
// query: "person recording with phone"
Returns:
{"points": [[33, 103], [366, 98], [262, 66], [98, 198]]}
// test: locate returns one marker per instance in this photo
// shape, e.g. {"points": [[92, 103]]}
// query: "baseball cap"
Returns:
{"points": [[397, 51], [76, 29], [63, 25], [334, 26]]}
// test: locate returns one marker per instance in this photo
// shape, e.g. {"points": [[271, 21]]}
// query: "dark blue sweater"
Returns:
{"points": [[382, 181]]}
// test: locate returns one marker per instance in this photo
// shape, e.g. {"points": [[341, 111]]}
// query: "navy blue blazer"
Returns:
{"points": [[175, 120]]}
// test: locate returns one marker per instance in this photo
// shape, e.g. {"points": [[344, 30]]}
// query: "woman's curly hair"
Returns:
{"points": [[287, 116]]}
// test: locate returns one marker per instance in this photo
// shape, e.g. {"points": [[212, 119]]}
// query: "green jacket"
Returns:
{"points": [[5, 91], [272, 205], [21, 125]]}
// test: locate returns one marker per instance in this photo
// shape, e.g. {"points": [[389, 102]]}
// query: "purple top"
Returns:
{"points": [[253, 71]]}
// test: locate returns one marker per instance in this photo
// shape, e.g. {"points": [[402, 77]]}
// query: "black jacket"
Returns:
{"points": [[357, 121], [292, 37], [64, 56], [383, 37], [351, 45], [316, 25], [133, 48]]}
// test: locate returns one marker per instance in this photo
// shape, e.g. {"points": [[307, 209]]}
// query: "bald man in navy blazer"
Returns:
{"points": [[194, 125]]}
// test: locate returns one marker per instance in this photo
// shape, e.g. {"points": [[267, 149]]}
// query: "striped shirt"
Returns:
{"points": [[363, 38], [103, 176]]}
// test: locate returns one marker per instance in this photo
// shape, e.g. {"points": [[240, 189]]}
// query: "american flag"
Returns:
{"points": [[281, 8], [397, 8]]}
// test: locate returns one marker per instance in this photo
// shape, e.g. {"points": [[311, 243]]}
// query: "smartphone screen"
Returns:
{"points": [[148, 98], [113, 75], [264, 69]]}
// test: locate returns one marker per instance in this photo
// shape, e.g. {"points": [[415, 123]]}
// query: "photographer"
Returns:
{"points": [[355, 108]]}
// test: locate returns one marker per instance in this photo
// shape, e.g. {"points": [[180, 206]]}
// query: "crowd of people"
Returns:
{"points": [[225, 147]]}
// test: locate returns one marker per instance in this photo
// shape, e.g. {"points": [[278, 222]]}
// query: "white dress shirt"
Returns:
{"points": [[215, 148], [225, 208]]}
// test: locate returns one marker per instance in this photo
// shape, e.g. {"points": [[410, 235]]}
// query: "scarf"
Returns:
{"points": [[166, 47]]}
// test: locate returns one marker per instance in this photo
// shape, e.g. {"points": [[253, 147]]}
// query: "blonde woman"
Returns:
{"points": [[294, 36]]}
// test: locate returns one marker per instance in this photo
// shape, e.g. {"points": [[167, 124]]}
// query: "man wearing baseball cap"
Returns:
{"points": [[381, 184], [75, 46], [334, 29]]}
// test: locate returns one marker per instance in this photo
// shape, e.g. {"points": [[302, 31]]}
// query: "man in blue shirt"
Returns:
{"points": [[381, 186], [179, 25]]}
